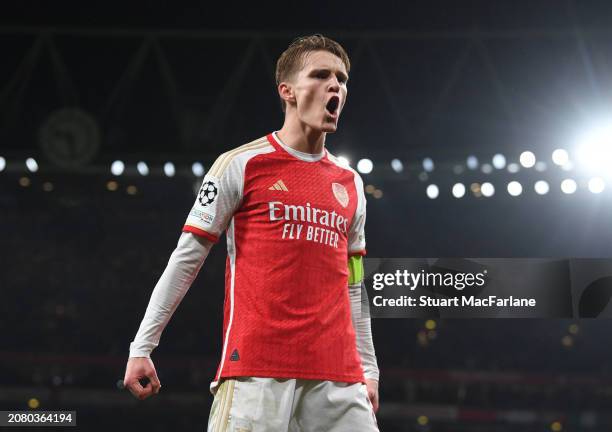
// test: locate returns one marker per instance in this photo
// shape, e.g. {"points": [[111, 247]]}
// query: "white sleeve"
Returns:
{"points": [[218, 198], [183, 267], [356, 234], [363, 332], [357, 292]]}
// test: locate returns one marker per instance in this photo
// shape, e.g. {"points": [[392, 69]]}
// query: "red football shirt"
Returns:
{"points": [[291, 220]]}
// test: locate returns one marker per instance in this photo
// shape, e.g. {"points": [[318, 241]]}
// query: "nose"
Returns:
{"points": [[334, 85]]}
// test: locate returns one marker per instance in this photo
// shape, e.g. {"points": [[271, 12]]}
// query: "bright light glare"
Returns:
{"points": [[433, 191], [365, 166], [397, 165], [540, 166], [541, 187], [117, 167], [527, 159], [2, 163], [475, 188], [197, 169], [515, 188], [142, 168], [487, 189], [458, 190], [594, 150], [569, 186], [513, 168], [428, 164], [31, 164], [560, 157], [596, 185], [344, 160], [472, 162], [169, 169], [487, 168], [499, 161]]}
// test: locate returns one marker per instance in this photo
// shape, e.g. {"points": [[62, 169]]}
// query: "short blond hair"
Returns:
{"points": [[292, 59]]}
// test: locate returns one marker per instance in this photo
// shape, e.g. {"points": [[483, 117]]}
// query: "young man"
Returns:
{"points": [[297, 352]]}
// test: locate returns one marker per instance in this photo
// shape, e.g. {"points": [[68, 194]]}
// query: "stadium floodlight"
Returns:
{"points": [[515, 188], [2, 163], [487, 168], [475, 188], [569, 186], [472, 162], [397, 165], [540, 166], [487, 189], [560, 157], [344, 161], [365, 166], [568, 166], [112, 185], [596, 185], [31, 164], [527, 159], [513, 168], [428, 164], [432, 191], [117, 168], [499, 161], [142, 168], [458, 190], [422, 420], [541, 187], [169, 169], [197, 169], [594, 150]]}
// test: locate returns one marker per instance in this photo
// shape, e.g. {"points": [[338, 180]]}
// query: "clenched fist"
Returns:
{"points": [[136, 369], [372, 386]]}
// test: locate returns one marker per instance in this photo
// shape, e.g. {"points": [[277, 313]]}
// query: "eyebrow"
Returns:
{"points": [[324, 69]]}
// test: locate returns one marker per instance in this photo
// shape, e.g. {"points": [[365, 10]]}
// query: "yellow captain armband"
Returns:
{"points": [[355, 267]]}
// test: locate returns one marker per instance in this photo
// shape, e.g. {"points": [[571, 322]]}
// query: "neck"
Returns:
{"points": [[301, 137]]}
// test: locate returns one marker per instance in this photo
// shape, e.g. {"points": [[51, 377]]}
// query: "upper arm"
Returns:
{"points": [[217, 200], [356, 234]]}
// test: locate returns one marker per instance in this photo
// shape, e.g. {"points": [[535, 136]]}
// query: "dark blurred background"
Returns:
{"points": [[442, 94]]}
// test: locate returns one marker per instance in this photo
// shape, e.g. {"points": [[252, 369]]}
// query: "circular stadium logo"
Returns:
{"points": [[208, 193]]}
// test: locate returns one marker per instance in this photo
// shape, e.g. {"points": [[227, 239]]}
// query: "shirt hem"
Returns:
{"points": [[261, 373]]}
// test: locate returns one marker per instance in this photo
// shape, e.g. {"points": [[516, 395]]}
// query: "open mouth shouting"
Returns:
{"points": [[332, 106]]}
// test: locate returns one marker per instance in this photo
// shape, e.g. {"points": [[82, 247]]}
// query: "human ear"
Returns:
{"points": [[285, 91]]}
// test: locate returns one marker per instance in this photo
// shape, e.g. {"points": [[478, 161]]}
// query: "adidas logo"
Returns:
{"points": [[279, 185], [235, 356]]}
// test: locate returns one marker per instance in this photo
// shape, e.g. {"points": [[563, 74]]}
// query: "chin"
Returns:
{"points": [[329, 128]]}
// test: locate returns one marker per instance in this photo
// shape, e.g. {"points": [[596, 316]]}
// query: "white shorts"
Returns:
{"points": [[248, 404]]}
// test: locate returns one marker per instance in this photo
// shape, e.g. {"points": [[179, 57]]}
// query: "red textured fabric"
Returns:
{"points": [[290, 310]]}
